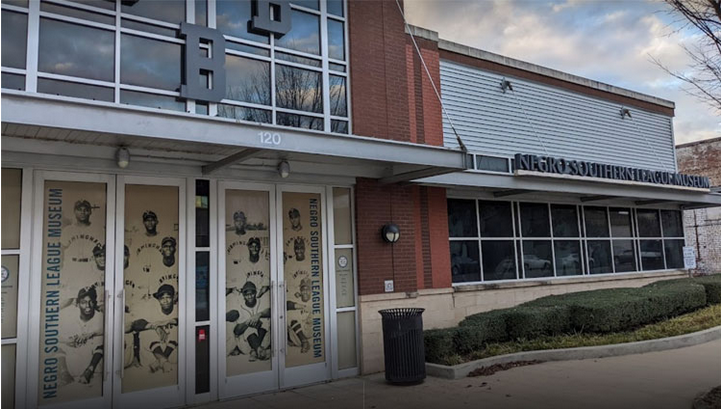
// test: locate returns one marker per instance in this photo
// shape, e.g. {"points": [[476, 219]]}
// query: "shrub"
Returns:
{"points": [[532, 322], [712, 284], [438, 344], [491, 323]]}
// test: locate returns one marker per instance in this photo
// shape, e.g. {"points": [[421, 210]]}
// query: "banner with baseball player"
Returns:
{"points": [[150, 277], [247, 282], [73, 284], [303, 277]]}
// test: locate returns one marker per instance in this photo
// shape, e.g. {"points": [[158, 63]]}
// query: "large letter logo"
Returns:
{"points": [[277, 23], [195, 64]]}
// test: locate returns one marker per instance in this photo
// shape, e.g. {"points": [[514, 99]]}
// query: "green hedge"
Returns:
{"points": [[439, 344], [711, 283]]}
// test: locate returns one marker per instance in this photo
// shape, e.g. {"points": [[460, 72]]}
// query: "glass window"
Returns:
{"points": [[311, 4], [19, 3], [244, 114], [674, 253], [624, 256], [298, 89], [648, 223], [336, 41], [565, 220], [672, 223], [171, 11], [537, 258], [149, 28], [202, 286], [339, 126], [338, 100], [248, 49], [495, 219], [651, 255], [14, 39], [596, 221], [247, 80], [11, 196], [202, 213], [491, 163], [336, 67], [101, 4], [599, 257], [568, 257], [77, 13], [299, 121], [78, 51], [335, 7], [73, 89], [150, 63], [347, 355], [300, 60], [465, 264], [621, 222], [534, 220], [151, 100], [10, 272], [233, 18], [462, 218], [201, 12], [304, 34], [13, 81], [342, 217]]}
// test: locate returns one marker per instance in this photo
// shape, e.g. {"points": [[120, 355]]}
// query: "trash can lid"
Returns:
{"points": [[401, 312]]}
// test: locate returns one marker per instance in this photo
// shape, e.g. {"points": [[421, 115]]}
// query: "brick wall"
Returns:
{"points": [[703, 226]]}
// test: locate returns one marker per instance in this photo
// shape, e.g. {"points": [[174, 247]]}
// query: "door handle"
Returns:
{"points": [[122, 328], [106, 361]]}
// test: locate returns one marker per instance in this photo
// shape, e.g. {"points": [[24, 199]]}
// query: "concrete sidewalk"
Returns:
{"points": [[668, 379]]}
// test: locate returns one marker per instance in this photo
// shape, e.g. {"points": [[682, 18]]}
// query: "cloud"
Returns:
{"points": [[608, 41]]}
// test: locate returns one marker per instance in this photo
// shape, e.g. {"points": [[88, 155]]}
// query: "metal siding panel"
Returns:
{"points": [[537, 118]]}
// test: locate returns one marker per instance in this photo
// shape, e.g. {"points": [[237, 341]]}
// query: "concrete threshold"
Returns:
{"points": [[569, 354]]}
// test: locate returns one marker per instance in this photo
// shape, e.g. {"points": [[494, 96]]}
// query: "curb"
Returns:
{"points": [[569, 354]]}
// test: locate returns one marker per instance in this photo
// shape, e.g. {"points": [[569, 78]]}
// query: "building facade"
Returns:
{"points": [[194, 192]]}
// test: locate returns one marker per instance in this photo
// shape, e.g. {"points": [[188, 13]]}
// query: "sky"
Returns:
{"points": [[611, 41]]}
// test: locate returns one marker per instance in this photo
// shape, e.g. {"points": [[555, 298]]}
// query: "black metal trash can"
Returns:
{"points": [[403, 349]]}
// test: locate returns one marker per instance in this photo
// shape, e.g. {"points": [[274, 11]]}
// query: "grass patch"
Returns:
{"points": [[698, 320]]}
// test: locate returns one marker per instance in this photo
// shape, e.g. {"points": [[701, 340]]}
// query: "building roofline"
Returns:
{"points": [[701, 142], [533, 68]]}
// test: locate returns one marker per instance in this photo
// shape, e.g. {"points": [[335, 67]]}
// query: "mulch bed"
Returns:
{"points": [[711, 400], [490, 370]]}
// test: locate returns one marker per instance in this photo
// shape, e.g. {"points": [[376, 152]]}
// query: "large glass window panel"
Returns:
{"points": [[300, 60], [491, 163], [339, 126], [298, 89], [149, 28], [621, 225], [151, 100], [248, 49], [338, 100], [311, 4], [565, 220], [202, 286], [651, 255], [342, 217], [75, 50], [299, 121], [596, 221], [149, 63], [304, 34], [624, 256], [335, 7], [14, 39], [233, 18], [496, 219], [568, 257], [599, 257], [171, 11], [201, 12], [247, 80], [74, 89], [672, 223], [11, 195], [77, 13], [10, 271], [648, 223], [336, 41], [537, 258], [534, 220], [244, 114], [462, 218], [344, 281], [498, 260], [347, 355], [13, 81], [465, 265], [674, 253], [8, 376]]}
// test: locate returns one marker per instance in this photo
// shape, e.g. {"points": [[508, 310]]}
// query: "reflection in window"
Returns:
{"points": [[14, 39], [335, 7], [339, 126], [202, 286], [491, 163], [244, 114], [78, 51], [465, 264], [648, 223], [674, 253], [338, 101], [495, 219], [299, 121], [171, 11], [304, 34], [13, 81], [651, 255], [565, 220], [498, 260], [537, 258], [149, 28], [462, 218], [672, 224], [149, 63], [624, 256], [300, 60], [233, 17], [621, 223], [298, 89], [101, 4], [248, 49], [201, 12], [247, 80], [534, 220], [568, 257], [73, 89], [599, 257], [81, 14], [336, 67], [311, 4], [151, 100], [336, 42], [596, 221]]}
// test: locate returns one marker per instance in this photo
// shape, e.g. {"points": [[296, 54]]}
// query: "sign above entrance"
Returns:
{"points": [[560, 166]]}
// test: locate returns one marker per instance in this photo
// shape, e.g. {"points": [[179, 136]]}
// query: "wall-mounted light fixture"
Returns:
{"points": [[625, 112], [506, 85], [123, 157], [390, 233], [284, 169]]}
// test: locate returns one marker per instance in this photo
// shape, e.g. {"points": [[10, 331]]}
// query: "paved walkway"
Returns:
{"points": [[658, 380]]}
